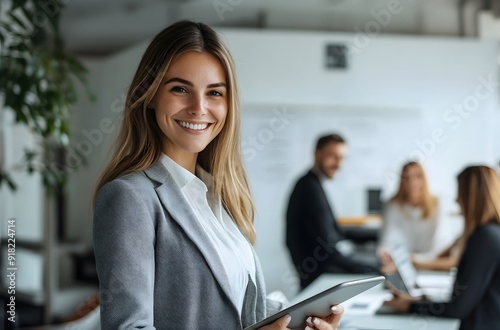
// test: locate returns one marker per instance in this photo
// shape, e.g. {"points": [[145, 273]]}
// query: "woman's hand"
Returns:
{"points": [[331, 322], [417, 264], [279, 324], [400, 301], [387, 264]]}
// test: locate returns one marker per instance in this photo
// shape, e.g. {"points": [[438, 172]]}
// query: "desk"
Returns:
{"points": [[354, 319], [374, 221], [362, 229]]}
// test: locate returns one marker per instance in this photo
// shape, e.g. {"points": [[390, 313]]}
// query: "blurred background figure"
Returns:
{"points": [[313, 236], [476, 293], [412, 217]]}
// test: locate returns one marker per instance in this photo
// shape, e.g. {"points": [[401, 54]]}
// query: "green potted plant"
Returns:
{"points": [[38, 83]]}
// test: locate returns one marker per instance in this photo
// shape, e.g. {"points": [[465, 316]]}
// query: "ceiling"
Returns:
{"points": [[101, 27]]}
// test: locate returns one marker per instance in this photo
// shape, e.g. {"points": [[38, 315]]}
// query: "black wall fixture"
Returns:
{"points": [[336, 56]]}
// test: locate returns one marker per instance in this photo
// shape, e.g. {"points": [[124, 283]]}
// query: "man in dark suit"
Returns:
{"points": [[312, 231]]}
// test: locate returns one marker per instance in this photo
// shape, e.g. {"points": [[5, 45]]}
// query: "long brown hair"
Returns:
{"points": [[428, 202], [479, 197], [140, 141]]}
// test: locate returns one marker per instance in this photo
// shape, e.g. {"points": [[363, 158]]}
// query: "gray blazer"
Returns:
{"points": [[157, 268]]}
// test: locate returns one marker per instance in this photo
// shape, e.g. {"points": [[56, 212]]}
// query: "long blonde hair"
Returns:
{"points": [[140, 141], [428, 202], [479, 197]]}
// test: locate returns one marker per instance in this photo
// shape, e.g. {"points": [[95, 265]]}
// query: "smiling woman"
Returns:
{"points": [[173, 218], [191, 106]]}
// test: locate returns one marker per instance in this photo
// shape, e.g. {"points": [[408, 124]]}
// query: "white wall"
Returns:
{"points": [[95, 126], [286, 69]]}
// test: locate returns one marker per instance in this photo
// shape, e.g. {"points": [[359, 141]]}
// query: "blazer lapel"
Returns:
{"points": [[174, 202]]}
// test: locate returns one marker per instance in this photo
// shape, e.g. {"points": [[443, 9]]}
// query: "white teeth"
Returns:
{"points": [[195, 127]]}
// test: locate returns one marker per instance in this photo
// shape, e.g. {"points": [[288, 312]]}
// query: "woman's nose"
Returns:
{"points": [[198, 106]]}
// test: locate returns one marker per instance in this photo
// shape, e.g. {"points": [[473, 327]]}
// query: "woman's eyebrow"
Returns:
{"points": [[187, 82], [180, 80], [220, 84]]}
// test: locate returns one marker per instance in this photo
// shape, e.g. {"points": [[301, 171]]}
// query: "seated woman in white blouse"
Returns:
{"points": [[411, 216]]}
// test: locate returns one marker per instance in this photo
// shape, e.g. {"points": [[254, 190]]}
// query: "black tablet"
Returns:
{"points": [[319, 304]]}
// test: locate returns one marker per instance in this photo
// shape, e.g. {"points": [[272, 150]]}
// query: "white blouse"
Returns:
{"points": [[405, 224], [233, 248]]}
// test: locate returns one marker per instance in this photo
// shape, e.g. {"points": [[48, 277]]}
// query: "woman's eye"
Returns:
{"points": [[215, 93], [178, 89]]}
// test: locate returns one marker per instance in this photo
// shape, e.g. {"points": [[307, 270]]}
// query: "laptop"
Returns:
{"points": [[433, 286]]}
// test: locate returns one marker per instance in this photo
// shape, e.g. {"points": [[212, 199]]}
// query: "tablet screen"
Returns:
{"points": [[319, 304]]}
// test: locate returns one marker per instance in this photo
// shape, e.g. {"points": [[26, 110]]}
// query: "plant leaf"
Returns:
{"points": [[16, 19], [4, 176], [38, 81]]}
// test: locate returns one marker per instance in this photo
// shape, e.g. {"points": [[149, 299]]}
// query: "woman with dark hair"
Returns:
{"points": [[173, 218], [476, 292]]}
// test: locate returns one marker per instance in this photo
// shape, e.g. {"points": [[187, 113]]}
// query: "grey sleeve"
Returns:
{"points": [[124, 236]]}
